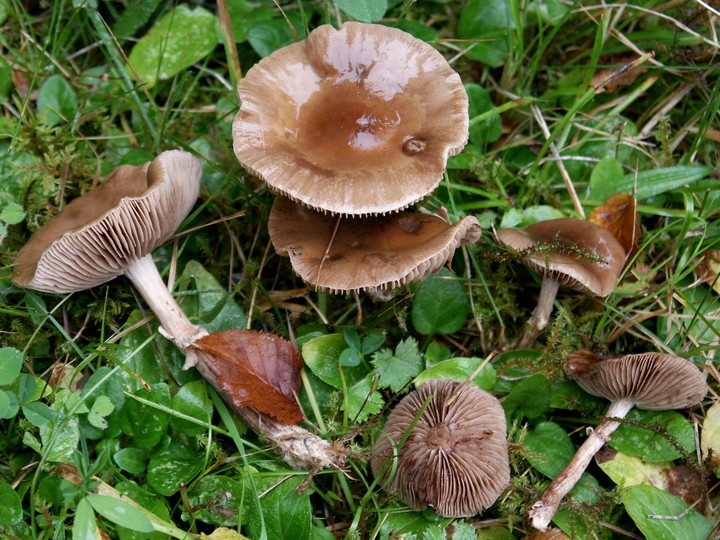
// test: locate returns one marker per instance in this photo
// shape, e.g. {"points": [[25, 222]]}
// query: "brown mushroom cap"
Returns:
{"points": [[570, 266], [355, 121], [652, 381], [455, 459], [95, 236], [380, 252]]}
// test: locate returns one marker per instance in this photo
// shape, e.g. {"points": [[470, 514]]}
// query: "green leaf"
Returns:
{"points": [[134, 17], [169, 468], [267, 37], [37, 413], [106, 382], [192, 400], [459, 369], [529, 398], [11, 507], [396, 370], [147, 424], [488, 131], [12, 214], [322, 356], [84, 526], [363, 10], [244, 15], [487, 20], [212, 304], [101, 408], [56, 101], [626, 470], [178, 40], [9, 405], [652, 442], [363, 401], [440, 305], [10, 363], [552, 446], [642, 502], [120, 512], [416, 28], [132, 460], [220, 500], [60, 437], [648, 183], [521, 217], [410, 525], [287, 514]]}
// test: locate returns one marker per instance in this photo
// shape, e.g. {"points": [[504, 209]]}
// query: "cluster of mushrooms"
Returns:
{"points": [[351, 126]]}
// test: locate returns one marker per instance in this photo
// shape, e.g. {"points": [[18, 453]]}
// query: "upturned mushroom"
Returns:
{"points": [[112, 230], [355, 121], [651, 381], [341, 254], [569, 251], [454, 459]]}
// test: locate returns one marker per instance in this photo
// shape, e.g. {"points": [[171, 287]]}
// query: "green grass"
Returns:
{"points": [[101, 391]]}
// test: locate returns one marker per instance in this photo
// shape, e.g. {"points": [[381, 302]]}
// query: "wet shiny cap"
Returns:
{"points": [[342, 254], [356, 121], [568, 262], [456, 457], [653, 381], [126, 217]]}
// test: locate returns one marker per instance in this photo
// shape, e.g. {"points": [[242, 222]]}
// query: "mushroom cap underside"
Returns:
{"points": [[456, 457], [381, 252], [94, 238], [653, 381], [356, 121], [575, 252]]}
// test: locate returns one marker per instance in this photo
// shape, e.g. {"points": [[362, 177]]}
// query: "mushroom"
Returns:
{"points": [[651, 381], [355, 121], [111, 230], [454, 459], [341, 254], [568, 251]]}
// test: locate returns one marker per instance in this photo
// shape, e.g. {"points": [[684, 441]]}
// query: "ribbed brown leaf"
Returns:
{"points": [[258, 371], [618, 214]]}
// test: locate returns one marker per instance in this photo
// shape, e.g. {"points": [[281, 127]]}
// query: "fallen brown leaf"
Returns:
{"points": [[257, 371], [619, 215]]}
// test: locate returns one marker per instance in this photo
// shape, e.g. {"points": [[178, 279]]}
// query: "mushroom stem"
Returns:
{"points": [[542, 512], [174, 323], [541, 314]]}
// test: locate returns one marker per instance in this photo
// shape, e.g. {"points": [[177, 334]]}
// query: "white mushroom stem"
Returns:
{"points": [[541, 314], [542, 512], [174, 323]]}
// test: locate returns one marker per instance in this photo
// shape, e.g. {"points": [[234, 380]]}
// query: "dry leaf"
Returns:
{"points": [[257, 371], [623, 73], [619, 215], [709, 268]]}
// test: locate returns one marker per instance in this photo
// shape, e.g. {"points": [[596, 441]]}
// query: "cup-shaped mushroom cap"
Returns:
{"points": [[381, 252], [456, 457], [93, 238], [355, 121], [653, 381], [568, 261]]}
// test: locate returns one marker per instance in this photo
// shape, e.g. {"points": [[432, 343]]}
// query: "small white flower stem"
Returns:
{"points": [[541, 314], [174, 323], [542, 512]]}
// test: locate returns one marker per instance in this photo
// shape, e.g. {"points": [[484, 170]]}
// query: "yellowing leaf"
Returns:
{"points": [[619, 215], [710, 435]]}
